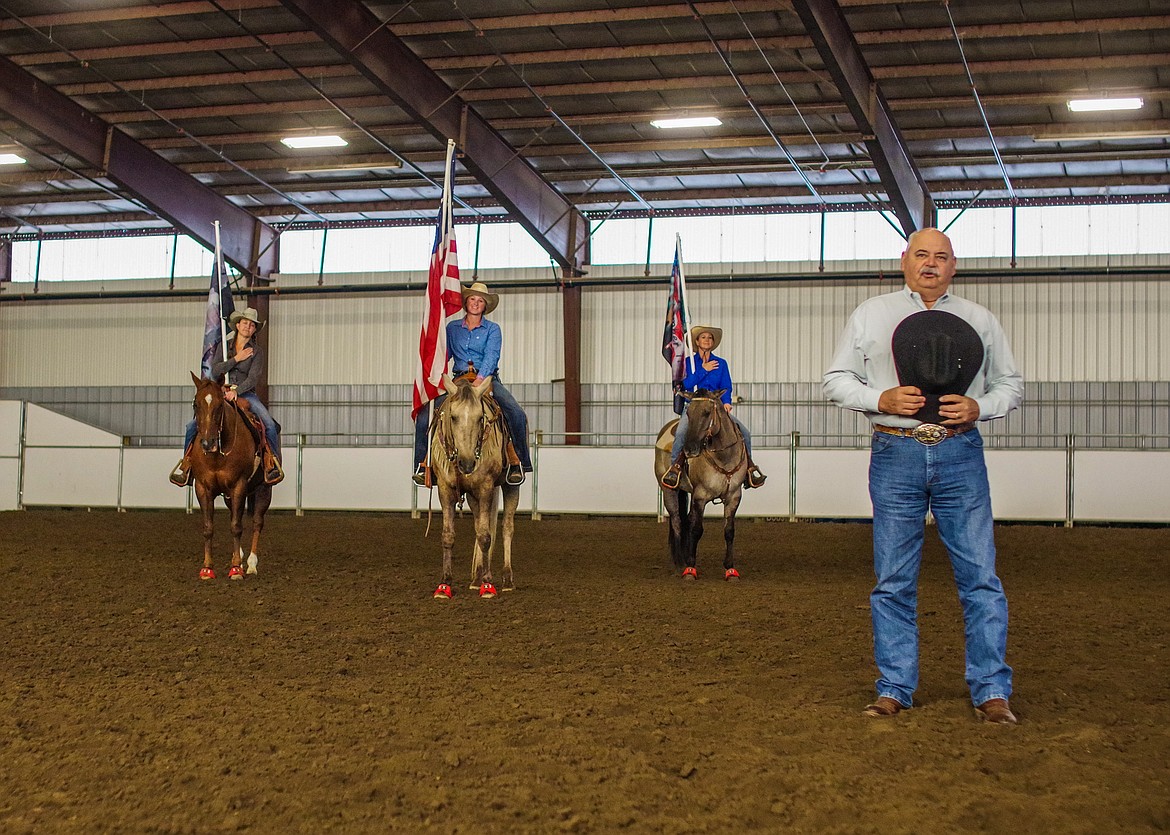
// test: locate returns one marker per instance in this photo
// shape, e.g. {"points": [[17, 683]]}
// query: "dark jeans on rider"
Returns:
{"points": [[680, 436], [513, 416], [258, 409]]}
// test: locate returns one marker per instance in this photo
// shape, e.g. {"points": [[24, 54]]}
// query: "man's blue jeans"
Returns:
{"points": [[906, 479], [513, 416], [680, 435], [271, 431]]}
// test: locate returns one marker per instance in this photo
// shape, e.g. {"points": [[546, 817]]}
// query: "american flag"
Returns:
{"points": [[219, 308], [675, 339], [443, 300]]}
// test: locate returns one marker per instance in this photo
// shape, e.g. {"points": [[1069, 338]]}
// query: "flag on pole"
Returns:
{"points": [[676, 337], [444, 299], [219, 308]]}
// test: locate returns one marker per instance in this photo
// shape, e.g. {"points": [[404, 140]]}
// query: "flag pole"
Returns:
{"points": [[445, 210], [219, 293], [688, 349]]}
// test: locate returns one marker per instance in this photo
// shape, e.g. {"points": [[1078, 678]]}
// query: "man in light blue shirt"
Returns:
{"points": [[918, 466]]}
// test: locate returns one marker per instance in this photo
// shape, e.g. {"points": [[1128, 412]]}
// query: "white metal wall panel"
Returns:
{"points": [[1093, 328], [100, 343], [369, 340]]}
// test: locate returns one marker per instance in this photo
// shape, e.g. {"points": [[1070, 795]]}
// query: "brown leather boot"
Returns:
{"points": [[273, 474]]}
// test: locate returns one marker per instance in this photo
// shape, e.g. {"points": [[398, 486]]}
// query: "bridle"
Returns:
{"points": [[222, 406], [445, 434], [712, 431]]}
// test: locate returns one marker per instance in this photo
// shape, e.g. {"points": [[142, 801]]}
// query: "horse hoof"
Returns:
{"points": [[731, 575], [236, 573], [206, 574], [690, 573], [443, 592], [486, 591]]}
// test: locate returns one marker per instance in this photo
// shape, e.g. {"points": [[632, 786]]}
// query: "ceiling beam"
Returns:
{"points": [[1123, 188], [891, 157], [248, 244], [353, 30]]}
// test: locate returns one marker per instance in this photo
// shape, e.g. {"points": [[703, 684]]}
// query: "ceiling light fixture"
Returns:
{"points": [[1098, 105], [687, 122], [331, 141], [11, 159], [346, 167]]}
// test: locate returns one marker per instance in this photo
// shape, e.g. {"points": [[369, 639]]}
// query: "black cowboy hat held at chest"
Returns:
{"points": [[939, 353]]}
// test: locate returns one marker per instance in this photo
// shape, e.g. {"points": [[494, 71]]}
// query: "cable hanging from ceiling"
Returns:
{"points": [[377, 140], [154, 112], [549, 109], [747, 97]]}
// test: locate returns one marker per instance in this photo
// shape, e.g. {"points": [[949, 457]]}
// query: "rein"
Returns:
{"points": [[716, 426]]}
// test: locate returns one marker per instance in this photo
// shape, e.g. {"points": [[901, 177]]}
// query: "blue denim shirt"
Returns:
{"points": [[479, 347]]}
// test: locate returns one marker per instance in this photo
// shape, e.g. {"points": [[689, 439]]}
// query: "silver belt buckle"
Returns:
{"points": [[929, 434]]}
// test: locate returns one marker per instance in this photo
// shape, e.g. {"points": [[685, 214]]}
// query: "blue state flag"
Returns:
{"points": [[219, 308]]}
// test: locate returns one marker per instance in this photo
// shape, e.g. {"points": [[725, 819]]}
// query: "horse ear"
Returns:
{"points": [[719, 394], [194, 378], [686, 395], [449, 384], [484, 388]]}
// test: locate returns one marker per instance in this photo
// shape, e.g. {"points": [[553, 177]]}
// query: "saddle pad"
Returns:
{"points": [[666, 436]]}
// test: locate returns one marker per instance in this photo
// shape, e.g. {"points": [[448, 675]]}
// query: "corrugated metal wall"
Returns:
{"points": [[1091, 349]]}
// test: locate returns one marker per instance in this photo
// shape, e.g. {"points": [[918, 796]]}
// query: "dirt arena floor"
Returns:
{"points": [[332, 694]]}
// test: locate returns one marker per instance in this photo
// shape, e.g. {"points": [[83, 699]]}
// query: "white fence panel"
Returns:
{"points": [[833, 484], [71, 477], [144, 479], [1121, 486], [9, 484], [349, 478], [1027, 485], [592, 480]]}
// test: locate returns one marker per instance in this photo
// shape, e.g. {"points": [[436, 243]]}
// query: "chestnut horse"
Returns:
{"points": [[717, 465], [224, 463], [468, 458]]}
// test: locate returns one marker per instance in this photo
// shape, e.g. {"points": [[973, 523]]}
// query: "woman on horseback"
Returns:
{"points": [[711, 373], [246, 364], [474, 343]]}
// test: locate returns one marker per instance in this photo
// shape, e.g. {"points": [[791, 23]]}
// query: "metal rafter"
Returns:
{"points": [[903, 182], [248, 243], [544, 212]]}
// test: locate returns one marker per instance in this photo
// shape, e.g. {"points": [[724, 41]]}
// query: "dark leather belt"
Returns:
{"points": [[927, 434]]}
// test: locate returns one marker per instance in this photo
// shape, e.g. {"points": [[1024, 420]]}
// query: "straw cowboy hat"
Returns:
{"points": [[480, 289], [715, 332], [250, 314], [939, 353]]}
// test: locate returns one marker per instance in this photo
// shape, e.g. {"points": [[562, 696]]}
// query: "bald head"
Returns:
{"points": [[929, 264]]}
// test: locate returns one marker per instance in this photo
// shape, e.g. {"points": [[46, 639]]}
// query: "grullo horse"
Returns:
{"points": [[716, 468], [468, 458], [224, 462]]}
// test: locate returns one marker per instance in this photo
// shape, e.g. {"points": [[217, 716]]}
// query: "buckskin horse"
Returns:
{"points": [[717, 464], [468, 458], [224, 463]]}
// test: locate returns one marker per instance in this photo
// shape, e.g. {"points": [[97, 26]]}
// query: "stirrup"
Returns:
{"points": [[671, 477], [181, 476], [420, 475], [755, 478], [515, 475], [274, 474]]}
